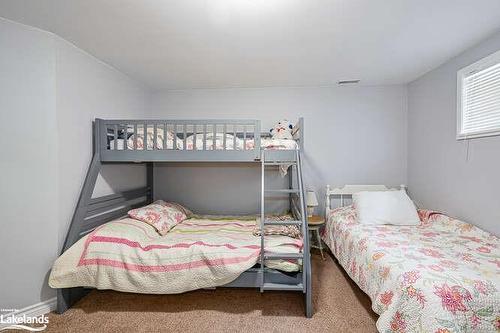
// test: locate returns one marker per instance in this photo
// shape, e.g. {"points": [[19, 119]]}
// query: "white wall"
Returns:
{"points": [[28, 196], [89, 89], [439, 174], [49, 93], [352, 135]]}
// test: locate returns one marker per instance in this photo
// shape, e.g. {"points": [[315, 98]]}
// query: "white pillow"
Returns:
{"points": [[385, 207]]}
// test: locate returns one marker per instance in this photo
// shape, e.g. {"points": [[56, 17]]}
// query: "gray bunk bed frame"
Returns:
{"points": [[92, 212]]}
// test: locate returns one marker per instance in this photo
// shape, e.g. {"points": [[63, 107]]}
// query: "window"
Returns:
{"points": [[478, 98]]}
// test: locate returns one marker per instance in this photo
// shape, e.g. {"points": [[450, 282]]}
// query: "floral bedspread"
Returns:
{"points": [[441, 276]]}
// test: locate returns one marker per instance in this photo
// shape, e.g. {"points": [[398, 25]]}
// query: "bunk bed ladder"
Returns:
{"points": [[300, 220]]}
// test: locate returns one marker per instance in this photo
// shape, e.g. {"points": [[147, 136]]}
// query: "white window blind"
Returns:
{"points": [[479, 98]]}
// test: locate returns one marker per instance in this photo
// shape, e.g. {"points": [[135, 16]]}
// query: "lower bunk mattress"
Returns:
{"points": [[440, 276], [200, 252]]}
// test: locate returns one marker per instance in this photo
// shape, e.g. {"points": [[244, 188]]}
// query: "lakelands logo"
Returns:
{"points": [[33, 324]]}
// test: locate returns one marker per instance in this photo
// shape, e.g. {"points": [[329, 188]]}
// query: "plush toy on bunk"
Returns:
{"points": [[282, 130], [282, 136]]}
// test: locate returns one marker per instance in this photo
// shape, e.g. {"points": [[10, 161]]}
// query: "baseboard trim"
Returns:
{"points": [[34, 310]]}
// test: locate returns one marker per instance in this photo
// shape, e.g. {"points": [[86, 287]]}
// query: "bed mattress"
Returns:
{"points": [[440, 276], [129, 255], [231, 142]]}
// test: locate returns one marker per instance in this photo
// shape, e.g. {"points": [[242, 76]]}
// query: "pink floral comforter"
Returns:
{"points": [[441, 276]]}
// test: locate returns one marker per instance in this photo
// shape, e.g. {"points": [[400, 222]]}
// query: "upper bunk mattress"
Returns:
{"points": [[231, 142], [440, 276], [129, 255]]}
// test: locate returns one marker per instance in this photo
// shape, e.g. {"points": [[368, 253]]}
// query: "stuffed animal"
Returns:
{"points": [[282, 130]]}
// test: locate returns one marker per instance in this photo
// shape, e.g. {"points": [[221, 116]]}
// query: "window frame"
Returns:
{"points": [[488, 61]]}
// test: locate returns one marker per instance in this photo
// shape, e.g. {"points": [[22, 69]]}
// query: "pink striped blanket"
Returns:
{"points": [[129, 255]]}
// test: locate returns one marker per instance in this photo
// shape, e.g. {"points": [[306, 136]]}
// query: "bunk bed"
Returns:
{"points": [[162, 141]]}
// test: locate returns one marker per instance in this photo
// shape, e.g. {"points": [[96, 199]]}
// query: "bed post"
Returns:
{"points": [[300, 126], [68, 296], [306, 262], [327, 201], [290, 186]]}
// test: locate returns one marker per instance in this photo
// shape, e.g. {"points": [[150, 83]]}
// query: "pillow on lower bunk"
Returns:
{"points": [[159, 215], [385, 207], [178, 207]]}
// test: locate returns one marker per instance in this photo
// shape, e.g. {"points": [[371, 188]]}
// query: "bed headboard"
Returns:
{"points": [[349, 190]]}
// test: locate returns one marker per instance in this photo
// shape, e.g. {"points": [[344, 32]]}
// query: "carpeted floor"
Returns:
{"points": [[339, 306]]}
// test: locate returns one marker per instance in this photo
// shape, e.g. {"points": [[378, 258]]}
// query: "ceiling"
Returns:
{"points": [[178, 44]]}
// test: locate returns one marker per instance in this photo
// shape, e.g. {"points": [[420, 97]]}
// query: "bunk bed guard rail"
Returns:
{"points": [[178, 140]]}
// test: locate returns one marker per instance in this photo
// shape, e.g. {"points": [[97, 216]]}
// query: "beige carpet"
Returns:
{"points": [[339, 306]]}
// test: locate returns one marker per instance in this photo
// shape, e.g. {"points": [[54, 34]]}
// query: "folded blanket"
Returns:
{"points": [[284, 230]]}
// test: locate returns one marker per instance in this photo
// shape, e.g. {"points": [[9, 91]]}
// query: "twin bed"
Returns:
{"points": [[440, 276]]}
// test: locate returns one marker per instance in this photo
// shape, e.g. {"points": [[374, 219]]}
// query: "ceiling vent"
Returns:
{"points": [[345, 82]]}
